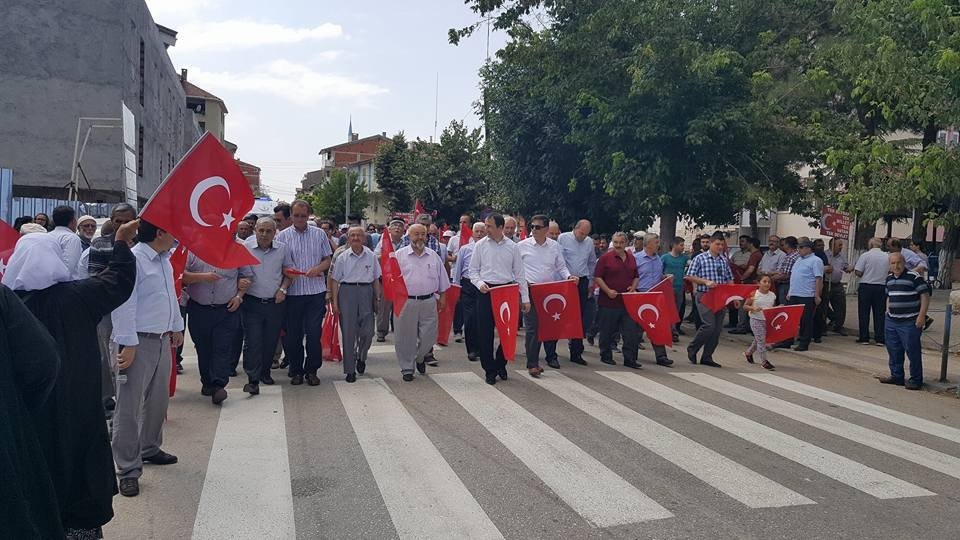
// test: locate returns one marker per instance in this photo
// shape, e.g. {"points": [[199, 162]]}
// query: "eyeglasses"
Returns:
{"points": [[89, 226], [537, 227]]}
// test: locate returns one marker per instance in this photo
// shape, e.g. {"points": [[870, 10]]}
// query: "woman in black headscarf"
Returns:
{"points": [[28, 370], [71, 425]]}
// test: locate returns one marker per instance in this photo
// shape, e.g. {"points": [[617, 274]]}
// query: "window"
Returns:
{"points": [[142, 68], [140, 151], [203, 126]]}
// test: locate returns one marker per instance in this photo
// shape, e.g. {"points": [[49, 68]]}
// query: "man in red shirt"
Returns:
{"points": [[616, 273]]}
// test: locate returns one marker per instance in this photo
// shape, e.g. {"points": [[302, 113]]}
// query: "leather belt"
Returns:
{"points": [[152, 335], [260, 300], [423, 297], [356, 284]]}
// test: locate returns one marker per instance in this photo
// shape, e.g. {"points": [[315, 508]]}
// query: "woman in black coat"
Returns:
{"points": [[28, 371]]}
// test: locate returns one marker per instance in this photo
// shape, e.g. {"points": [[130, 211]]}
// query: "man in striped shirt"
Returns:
{"points": [[908, 297], [306, 299]]}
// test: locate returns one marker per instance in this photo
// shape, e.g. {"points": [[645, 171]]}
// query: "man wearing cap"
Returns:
{"points": [[806, 286], [394, 235], [424, 275], [354, 289], [86, 228]]}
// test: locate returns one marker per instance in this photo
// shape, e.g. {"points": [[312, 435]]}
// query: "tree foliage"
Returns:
{"points": [[329, 199], [389, 171]]}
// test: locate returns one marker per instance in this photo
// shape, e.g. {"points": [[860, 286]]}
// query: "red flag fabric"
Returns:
{"points": [[522, 224], [173, 372], [558, 310], [8, 241], [505, 302], [330, 338], [783, 322], [651, 310], [394, 288], [465, 233], [718, 297], [200, 203], [179, 263], [666, 287], [445, 315], [419, 209]]}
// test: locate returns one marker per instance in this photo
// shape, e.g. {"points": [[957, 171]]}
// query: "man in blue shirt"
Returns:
{"points": [[806, 285]]}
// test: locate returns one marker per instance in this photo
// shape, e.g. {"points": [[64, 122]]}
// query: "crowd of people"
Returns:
{"points": [[91, 321]]}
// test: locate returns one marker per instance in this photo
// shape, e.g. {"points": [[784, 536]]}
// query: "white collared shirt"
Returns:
{"points": [[152, 307], [874, 265], [497, 263], [544, 262], [71, 248]]}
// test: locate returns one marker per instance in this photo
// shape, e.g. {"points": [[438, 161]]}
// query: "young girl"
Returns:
{"points": [[762, 298]]}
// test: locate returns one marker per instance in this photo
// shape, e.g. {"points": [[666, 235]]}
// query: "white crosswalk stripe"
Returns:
{"points": [[594, 491], [423, 494], [744, 485], [246, 493], [937, 461], [863, 407], [847, 471]]}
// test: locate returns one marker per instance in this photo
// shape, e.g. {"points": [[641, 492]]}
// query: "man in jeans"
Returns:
{"points": [[908, 298]]}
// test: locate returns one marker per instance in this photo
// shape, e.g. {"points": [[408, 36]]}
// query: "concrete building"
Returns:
{"points": [[209, 110], [252, 174], [356, 155], [63, 60]]}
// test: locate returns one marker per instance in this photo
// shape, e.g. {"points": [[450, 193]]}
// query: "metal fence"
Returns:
{"points": [[13, 207]]}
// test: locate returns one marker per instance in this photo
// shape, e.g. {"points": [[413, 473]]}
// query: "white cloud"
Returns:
{"points": [[239, 34], [173, 12], [295, 82], [326, 56]]}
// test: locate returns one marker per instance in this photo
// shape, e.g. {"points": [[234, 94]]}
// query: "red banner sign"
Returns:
{"points": [[834, 223]]}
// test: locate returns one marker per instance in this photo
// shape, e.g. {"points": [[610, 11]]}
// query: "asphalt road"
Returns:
{"points": [[585, 452]]}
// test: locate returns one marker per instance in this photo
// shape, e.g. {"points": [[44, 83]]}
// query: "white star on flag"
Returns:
{"points": [[651, 325], [228, 219], [556, 316], [777, 327]]}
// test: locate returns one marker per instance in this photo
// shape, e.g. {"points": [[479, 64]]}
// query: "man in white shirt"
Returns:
{"points": [[543, 262], [872, 268], [495, 261], [772, 258], [65, 231], [145, 327]]}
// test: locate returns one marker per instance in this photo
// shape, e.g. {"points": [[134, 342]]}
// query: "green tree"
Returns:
{"points": [[390, 172], [329, 198]]}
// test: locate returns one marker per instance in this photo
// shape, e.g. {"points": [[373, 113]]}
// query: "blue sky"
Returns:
{"points": [[292, 72]]}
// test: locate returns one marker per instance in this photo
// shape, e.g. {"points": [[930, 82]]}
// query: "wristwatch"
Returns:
{"points": [[281, 289]]}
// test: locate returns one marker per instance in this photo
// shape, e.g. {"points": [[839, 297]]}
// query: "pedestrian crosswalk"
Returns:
{"points": [[750, 457]]}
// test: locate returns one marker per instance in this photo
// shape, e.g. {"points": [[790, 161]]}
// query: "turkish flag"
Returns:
{"points": [[465, 233], [666, 287], [523, 228], [8, 241], [558, 310], [419, 209], [394, 288], [178, 260], [783, 322], [718, 297], [505, 302], [445, 315], [200, 203], [651, 310]]}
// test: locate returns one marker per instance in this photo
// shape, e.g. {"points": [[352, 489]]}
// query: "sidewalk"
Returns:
{"points": [[932, 339]]}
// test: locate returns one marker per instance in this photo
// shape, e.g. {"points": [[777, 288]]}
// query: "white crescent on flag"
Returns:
{"points": [[648, 307], [828, 222], [555, 296], [732, 298], [504, 307], [198, 192], [783, 314]]}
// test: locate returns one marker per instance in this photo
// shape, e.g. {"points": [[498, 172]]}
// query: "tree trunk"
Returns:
{"points": [[948, 249], [668, 227], [754, 225], [863, 234]]}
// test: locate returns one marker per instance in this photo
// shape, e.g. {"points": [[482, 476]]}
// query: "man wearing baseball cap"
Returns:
{"points": [[806, 285]]}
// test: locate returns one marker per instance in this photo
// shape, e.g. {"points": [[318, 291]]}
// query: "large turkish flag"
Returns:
{"points": [[200, 203], [8, 241], [465, 233], [783, 322], [651, 310], [505, 302], [718, 297], [394, 288], [666, 287], [445, 315], [558, 310]]}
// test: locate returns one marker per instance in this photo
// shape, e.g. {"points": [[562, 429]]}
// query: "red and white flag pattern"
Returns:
{"points": [[718, 297], [505, 302], [8, 241], [445, 315], [394, 288], [558, 310], [665, 286], [783, 323], [651, 310]]}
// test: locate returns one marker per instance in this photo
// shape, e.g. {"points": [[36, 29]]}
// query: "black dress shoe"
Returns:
{"points": [[590, 340], [817, 340], [233, 373], [608, 361], [783, 345], [472, 357], [219, 395], [351, 377], [491, 380], [296, 380], [206, 391], [431, 361], [408, 377], [252, 388], [710, 363], [665, 362], [284, 364], [909, 385], [692, 357], [737, 331], [361, 366], [554, 363], [890, 380], [458, 340], [578, 361], [422, 367], [502, 373], [632, 365], [267, 379], [161, 458], [381, 339], [801, 348], [840, 332], [129, 487], [179, 368], [312, 379]]}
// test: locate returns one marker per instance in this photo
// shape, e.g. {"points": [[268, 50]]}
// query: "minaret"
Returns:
{"points": [[350, 130]]}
